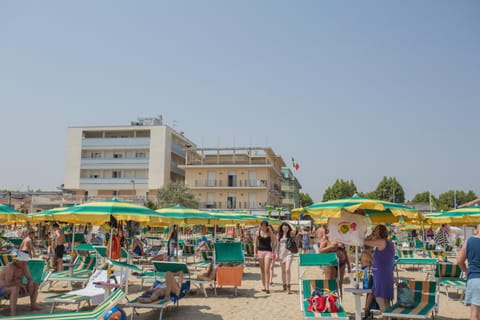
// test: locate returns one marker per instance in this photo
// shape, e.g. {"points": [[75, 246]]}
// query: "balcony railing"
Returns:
{"points": [[224, 184], [115, 143]]}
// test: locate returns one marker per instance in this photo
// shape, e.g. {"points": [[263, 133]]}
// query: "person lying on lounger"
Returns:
{"points": [[162, 292]]}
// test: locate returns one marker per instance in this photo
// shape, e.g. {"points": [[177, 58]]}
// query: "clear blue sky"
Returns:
{"points": [[352, 89]]}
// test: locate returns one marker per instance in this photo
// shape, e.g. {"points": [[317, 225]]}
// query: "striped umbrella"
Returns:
{"points": [[378, 211], [462, 216], [97, 213], [45, 215], [9, 215], [181, 215]]}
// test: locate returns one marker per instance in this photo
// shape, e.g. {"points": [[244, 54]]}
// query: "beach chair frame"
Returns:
{"points": [[318, 260], [97, 313], [230, 253], [161, 266], [426, 302], [449, 276]]}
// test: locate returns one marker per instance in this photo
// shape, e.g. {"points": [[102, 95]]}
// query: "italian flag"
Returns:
{"points": [[295, 164]]}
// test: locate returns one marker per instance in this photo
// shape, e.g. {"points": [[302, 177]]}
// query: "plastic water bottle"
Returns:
{"points": [[365, 279]]}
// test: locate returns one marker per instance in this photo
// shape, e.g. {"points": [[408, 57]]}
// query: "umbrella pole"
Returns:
{"points": [[73, 237], [356, 268], [110, 242]]}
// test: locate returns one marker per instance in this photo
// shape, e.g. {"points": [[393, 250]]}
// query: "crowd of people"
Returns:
{"points": [[270, 245]]}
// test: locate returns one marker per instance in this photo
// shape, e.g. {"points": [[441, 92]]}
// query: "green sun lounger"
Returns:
{"points": [[80, 272], [161, 304], [308, 286], [448, 276], [91, 293], [97, 313], [425, 297]]}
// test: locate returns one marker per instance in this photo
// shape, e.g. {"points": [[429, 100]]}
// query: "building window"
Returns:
{"points": [[140, 155], [116, 174], [231, 202], [117, 155], [94, 176], [95, 155], [232, 179]]}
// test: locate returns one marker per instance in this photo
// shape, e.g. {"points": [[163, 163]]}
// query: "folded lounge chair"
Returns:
{"points": [[230, 260], [97, 313], [161, 304], [425, 297]]}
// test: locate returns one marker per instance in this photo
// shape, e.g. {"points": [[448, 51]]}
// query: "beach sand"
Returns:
{"points": [[251, 302]]}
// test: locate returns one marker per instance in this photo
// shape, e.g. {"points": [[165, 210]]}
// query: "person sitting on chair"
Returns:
{"points": [[137, 246], [204, 245], [11, 284], [162, 292]]}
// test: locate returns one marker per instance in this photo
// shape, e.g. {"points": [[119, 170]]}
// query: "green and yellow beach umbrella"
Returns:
{"points": [[98, 213], [378, 211], [10, 216], [181, 215], [45, 215], [461, 216]]}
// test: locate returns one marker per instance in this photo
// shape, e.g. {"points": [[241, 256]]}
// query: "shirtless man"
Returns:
{"points": [[11, 283], [27, 244], [160, 292], [59, 245]]}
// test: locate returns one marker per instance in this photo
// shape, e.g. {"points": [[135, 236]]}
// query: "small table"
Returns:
{"points": [[107, 286], [358, 293]]}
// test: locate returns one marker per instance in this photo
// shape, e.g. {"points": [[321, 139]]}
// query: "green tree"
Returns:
{"points": [[340, 189], [149, 204], [390, 190], [305, 199], [425, 197], [446, 200], [176, 193]]}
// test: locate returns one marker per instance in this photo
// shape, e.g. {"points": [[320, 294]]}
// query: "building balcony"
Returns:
{"points": [[115, 143], [178, 150], [239, 184], [175, 169], [114, 183], [225, 205], [116, 163]]}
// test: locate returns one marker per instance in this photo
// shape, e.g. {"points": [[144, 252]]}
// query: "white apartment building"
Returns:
{"points": [[127, 162]]}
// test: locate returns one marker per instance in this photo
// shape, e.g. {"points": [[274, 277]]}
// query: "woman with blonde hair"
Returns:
{"points": [[263, 250], [327, 245]]}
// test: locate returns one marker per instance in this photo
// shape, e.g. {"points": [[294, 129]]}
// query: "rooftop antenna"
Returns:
{"points": [[174, 124]]}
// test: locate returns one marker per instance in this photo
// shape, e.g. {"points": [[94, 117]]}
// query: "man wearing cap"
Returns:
{"points": [[11, 284], [59, 245]]}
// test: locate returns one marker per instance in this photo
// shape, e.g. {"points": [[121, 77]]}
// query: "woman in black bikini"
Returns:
{"points": [[263, 250]]}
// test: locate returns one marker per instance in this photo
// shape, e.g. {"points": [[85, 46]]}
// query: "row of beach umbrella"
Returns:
{"points": [[97, 213]]}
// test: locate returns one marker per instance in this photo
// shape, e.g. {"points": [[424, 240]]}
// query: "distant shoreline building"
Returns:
{"points": [[239, 179], [128, 162]]}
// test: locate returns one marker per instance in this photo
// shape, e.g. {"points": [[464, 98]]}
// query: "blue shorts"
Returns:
{"points": [[472, 294]]}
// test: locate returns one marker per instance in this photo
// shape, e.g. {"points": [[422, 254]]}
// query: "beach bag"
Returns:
{"points": [[323, 300], [291, 245], [405, 296]]}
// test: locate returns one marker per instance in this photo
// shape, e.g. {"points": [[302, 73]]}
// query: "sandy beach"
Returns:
{"points": [[250, 303]]}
